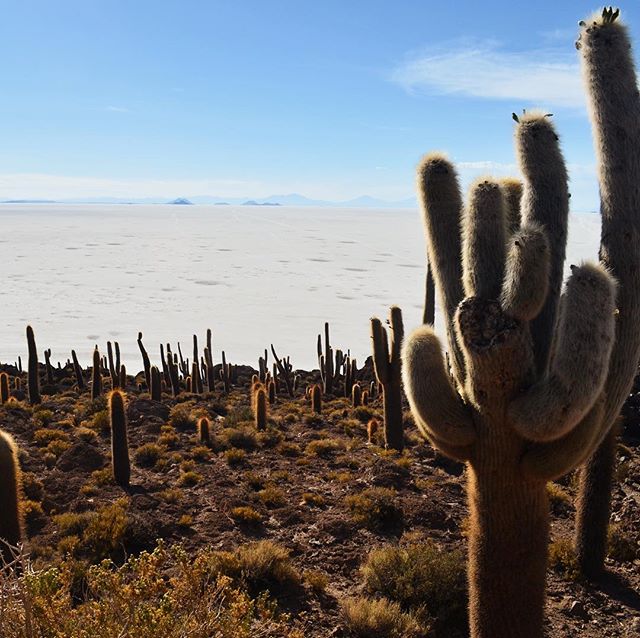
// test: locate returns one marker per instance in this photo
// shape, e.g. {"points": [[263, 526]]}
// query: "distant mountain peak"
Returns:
{"points": [[181, 201]]}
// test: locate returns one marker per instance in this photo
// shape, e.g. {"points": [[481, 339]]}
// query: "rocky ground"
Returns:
{"points": [[312, 483]]}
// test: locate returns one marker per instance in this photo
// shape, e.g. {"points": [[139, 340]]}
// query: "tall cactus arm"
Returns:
{"points": [[550, 461], [553, 406], [483, 240], [526, 279], [380, 351], [397, 335], [512, 191], [439, 196], [439, 412], [545, 201], [614, 104]]}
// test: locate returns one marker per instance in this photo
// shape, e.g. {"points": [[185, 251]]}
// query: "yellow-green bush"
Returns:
{"points": [[423, 579]]}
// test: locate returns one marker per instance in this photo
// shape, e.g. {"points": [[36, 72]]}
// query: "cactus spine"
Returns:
{"points": [[34, 381], [612, 89], [11, 523], [119, 442], [96, 377], [487, 412], [387, 363]]}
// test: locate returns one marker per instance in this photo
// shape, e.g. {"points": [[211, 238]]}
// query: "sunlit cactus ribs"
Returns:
{"points": [[527, 398]]}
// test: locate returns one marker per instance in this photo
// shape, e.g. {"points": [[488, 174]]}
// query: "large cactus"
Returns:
{"points": [[387, 362], [518, 410], [612, 90], [11, 521]]}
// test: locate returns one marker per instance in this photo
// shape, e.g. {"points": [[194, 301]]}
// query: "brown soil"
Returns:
{"points": [[430, 493]]}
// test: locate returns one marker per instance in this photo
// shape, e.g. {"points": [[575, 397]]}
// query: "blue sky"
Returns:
{"points": [[332, 99]]}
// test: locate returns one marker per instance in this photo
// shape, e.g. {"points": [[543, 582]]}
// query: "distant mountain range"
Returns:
{"points": [[293, 199]]}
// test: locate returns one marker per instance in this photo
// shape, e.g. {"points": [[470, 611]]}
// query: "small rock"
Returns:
{"points": [[577, 610]]}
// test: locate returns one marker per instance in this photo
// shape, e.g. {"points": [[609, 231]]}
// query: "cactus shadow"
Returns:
{"points": [[617, 588]]}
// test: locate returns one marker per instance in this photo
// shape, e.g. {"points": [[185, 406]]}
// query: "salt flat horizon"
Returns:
{"points": [[83, 274]]}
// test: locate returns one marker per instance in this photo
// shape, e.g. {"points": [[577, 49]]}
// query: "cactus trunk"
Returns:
{"points": [[507, 553]]}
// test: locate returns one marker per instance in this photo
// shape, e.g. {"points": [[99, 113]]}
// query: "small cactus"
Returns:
{"points": [[96, 377], [4, 387], [145, 361], [316, 398], [260, 408], [203, 431], [356, 395], [156, 389], [78, 371], [34, 381], [387, 362], [119, 442]]}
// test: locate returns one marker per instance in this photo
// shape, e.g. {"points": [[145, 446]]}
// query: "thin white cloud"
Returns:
{"points": [[542, 77], [116, 109]]}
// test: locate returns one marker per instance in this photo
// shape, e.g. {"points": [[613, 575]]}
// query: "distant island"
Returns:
{"points": [[252, 202], [181, 201]]}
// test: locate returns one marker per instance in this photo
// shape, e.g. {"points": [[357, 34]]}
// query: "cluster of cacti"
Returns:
{"points": [[387, 362], [285, 369], [119, 439], [537, 379], [11, 523]]}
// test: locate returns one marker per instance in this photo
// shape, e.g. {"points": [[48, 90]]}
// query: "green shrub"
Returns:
{"points": [[620, 546], [147, 455], [423, 579], [367, 618], [241, 438], [181, 417], [375, 508], [562, 559], [324, 447], [246, 516], [189, 479], [235, 457]]}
